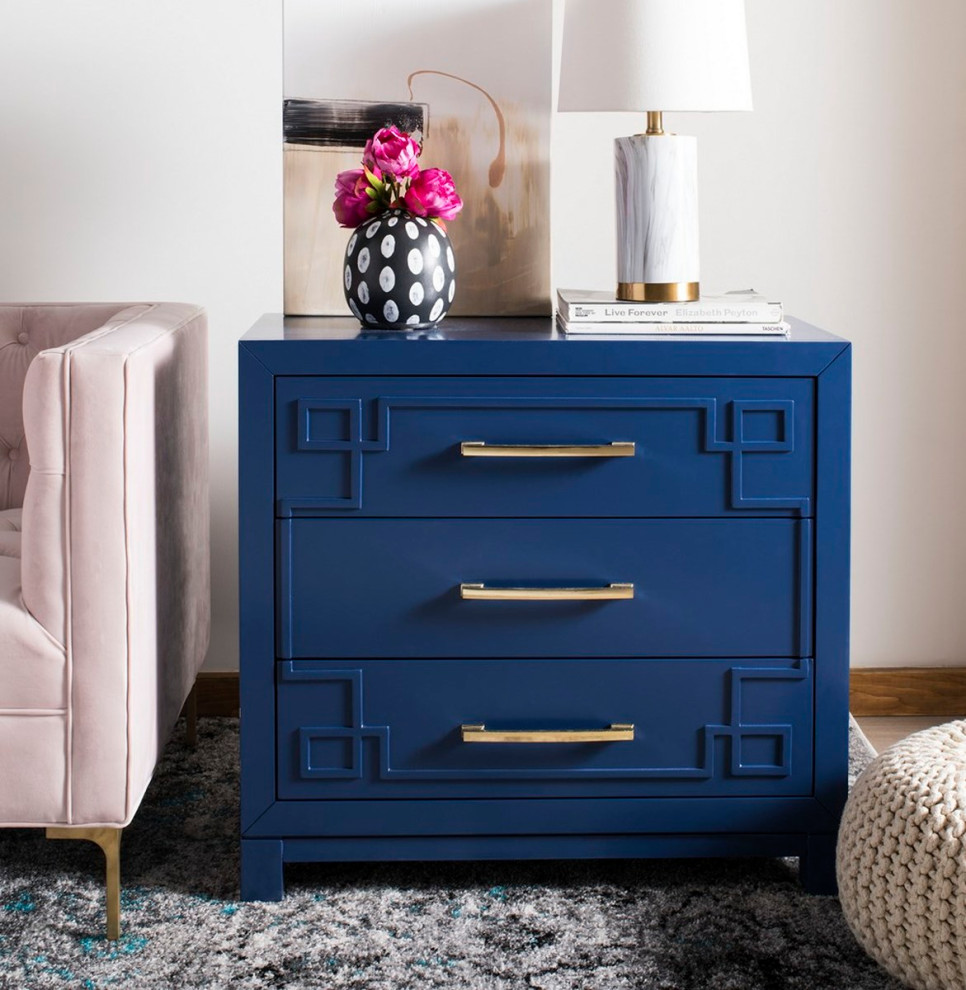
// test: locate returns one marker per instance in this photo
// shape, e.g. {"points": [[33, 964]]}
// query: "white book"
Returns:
{"points": [[745, 306], [677, 329]]}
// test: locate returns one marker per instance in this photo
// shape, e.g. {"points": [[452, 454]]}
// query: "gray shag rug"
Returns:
{"points": [[604, 925]]}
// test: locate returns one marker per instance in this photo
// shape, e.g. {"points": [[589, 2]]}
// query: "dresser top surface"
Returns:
{"points": [[526, 346]]}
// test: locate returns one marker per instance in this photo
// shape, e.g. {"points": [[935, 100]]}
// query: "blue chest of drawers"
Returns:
{"points": [[510, 595]]}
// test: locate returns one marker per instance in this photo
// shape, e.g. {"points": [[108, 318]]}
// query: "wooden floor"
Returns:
{"points": [[883, 730]]}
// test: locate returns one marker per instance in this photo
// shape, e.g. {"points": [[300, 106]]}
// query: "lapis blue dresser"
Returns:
{"points": [[507, 595]]}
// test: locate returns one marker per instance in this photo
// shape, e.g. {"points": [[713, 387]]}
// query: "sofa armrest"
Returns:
{"points": [[115, 539]]}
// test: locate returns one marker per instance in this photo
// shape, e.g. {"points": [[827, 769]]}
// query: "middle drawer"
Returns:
{"points": [[410, 587]]}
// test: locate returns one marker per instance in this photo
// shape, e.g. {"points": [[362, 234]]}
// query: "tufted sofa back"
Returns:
{"points": [[25, 331]]}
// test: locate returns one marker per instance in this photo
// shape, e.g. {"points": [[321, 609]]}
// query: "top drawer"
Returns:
{"points": [[550, 447]]}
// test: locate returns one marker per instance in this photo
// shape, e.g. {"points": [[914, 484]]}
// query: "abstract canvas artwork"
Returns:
{"points": [[473, 78]]}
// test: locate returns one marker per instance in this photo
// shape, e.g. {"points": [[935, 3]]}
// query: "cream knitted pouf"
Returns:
{"points": [[901, 859]]}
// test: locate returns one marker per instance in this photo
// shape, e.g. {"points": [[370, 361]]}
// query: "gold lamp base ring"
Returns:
{"points": [[658, 292]]}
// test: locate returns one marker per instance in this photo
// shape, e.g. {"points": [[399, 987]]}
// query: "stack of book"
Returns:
{"points": [[742, 312]]}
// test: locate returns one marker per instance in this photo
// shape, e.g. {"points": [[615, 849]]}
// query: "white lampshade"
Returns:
{"points": [[665, 55]]}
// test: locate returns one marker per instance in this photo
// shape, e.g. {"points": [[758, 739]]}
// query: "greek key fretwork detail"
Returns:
{"points": [[336, 751], [724, 432]]}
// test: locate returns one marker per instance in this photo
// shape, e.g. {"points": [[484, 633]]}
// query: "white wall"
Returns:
{"points": [[139, 158]]}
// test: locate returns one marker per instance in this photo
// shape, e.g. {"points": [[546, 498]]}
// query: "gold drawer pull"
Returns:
{"points": [[617, 732], [608, 593], [477, 448]]}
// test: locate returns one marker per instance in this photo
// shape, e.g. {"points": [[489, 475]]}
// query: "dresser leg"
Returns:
{"points": [[262, 878], [816, 869]]}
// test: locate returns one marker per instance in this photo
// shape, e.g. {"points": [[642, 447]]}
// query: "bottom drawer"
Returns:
{"points": [[505, 728]]}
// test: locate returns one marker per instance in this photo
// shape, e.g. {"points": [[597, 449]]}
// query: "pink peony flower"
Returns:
{"points": [[432, 194], [353, 197], [392, 151]]}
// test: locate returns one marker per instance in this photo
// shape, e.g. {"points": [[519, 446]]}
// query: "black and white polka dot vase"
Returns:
{"points": [[399, 272]]}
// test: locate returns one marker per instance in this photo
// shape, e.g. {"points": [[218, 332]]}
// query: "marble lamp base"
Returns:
{"points": [[657, 217]]}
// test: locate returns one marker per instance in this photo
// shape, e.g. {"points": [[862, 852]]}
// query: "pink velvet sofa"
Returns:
{"points": [[104, 558]]}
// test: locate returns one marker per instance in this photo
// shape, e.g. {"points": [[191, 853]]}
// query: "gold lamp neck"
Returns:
{"points": [[655, 122]]}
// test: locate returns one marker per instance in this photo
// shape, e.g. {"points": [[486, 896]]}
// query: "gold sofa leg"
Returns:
{"points": [[109, 839], [191, 717]]}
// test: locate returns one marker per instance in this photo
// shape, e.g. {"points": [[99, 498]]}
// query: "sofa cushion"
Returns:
{"points": [[10, 533], [34, 748], [33, 666], [10, 529], [11, 520]]}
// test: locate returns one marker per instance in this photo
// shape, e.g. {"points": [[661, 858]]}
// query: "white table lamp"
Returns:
{"points": [[654, 56]]}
